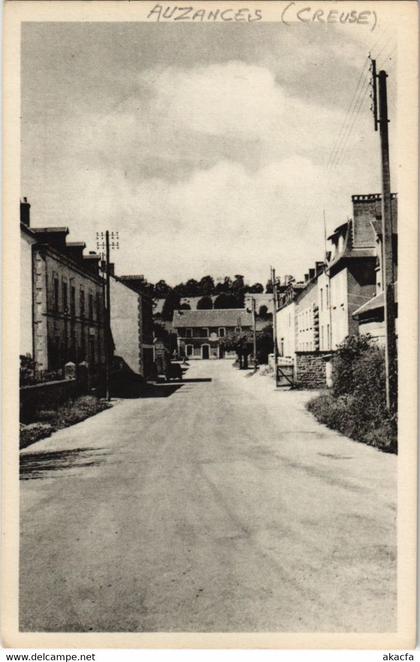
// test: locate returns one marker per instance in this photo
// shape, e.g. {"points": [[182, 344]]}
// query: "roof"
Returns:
{"points": [[213, 317], [376, 303], [51, 230], [340, 228]]}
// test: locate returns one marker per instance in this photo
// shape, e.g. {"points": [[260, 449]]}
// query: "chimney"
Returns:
{"points": [[306, 278], [319, 267], [366, 208], [91, 263], [311, 273], [25, 214], [75, 250]]}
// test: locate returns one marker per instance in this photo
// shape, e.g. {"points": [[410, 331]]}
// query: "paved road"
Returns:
{"points": [[220, 506]]}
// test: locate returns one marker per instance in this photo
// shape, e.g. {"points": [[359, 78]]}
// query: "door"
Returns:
{"points": [[205, 351]]}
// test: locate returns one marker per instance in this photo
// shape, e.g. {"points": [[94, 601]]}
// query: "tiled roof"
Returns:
{"points": [[214, 317]]}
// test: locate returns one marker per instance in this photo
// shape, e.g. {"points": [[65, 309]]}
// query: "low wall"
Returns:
{"points": [[311, 369], [44, 396]]}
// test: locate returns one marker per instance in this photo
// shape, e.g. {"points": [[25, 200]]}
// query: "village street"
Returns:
{"points": [[215, 505]]}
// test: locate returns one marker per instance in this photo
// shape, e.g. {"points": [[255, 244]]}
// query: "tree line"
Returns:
{"points": [[206, 286]]}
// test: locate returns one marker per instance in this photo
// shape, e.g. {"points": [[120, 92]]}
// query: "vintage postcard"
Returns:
{"points": [[210, 324]]}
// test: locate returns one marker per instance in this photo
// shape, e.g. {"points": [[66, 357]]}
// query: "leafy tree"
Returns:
{"points": [[265, 345], [226, 286], [256, 288], [225, 300], [192, 288], [207, 285], [172, 302], [205, 303], [241, 343], [263, 312], [161, 289], [269, 287], [168, 338]]}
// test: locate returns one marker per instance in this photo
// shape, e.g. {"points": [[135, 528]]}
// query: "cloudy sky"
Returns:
{"points": [[206, 145]]}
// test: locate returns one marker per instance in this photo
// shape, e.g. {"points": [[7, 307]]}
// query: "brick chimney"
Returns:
{"points": [[25, 212], [366, 208], [311, 273]]}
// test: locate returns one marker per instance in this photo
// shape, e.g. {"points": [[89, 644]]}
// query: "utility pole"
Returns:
{"points": [[254, 325], [108, 349], [275, 349], [381, 120]]}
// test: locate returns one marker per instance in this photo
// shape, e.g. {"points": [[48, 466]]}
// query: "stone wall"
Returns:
{"points": [[311, 369], [45, 396]]}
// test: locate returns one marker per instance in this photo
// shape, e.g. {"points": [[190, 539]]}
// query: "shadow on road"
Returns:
{"points": [[196, 380], [161, 390], [39, 465]]}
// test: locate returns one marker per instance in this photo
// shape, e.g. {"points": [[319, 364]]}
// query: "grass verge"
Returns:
{"points": [[51, 420]]}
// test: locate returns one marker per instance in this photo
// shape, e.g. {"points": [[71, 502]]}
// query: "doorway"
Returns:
{"points": [[205, 351]]}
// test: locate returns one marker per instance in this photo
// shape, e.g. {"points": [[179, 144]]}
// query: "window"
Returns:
{"points": [[56, 294], [72, 301], [98, 308], [205, 333], [237, 329], [188, 333], [65, 301], [82, 302], [189, 350], [222, 332], [90, 306]]}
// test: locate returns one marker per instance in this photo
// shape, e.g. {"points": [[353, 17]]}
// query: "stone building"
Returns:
{"points": [[201, 332], [67, 299], [336, 298]]}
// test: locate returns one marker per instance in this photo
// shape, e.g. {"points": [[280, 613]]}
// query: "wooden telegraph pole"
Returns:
{"points": [[108, 348], [381, 119], [254, 328], [275, 349]]}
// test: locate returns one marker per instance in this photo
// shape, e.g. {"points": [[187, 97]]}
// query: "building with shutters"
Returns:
{"points": [[201, 332]]}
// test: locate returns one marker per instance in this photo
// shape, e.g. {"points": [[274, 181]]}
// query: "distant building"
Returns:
{"points": [[201, 332]]}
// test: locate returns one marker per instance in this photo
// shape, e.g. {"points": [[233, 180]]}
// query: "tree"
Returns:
{"points": [[207, 285], [205, 303], [241, 343], [161, 289], [170, 340], [225, 300], [172, 302], [269, 287], [226, 286], [256, 288], [192, 288], [265, 344], [238, 289], [263, 312]]}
